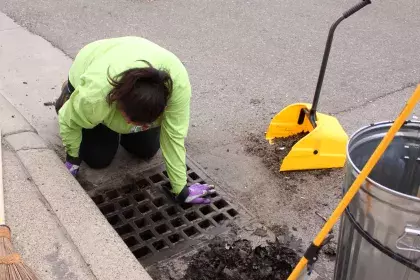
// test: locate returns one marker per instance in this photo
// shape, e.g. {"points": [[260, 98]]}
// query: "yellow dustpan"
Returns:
{"points": [[325, 144], [311, 254]]}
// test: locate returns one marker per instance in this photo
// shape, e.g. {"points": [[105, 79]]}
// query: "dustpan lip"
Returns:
{"points": [[357, 170]]}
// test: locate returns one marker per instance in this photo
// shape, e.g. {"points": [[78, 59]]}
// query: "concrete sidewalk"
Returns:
{"points": [[55, 225]]}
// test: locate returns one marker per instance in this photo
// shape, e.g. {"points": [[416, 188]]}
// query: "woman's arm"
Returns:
{"points": [[174, 129]]}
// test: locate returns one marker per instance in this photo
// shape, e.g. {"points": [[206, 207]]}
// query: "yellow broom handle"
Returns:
{"points": [[415, 97]]}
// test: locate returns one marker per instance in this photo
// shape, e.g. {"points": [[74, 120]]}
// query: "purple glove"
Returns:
{"points": [[196, 194], [73, 168]]}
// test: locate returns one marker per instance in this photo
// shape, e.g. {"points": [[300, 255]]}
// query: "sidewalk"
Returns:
{"points": [[56, 227]]}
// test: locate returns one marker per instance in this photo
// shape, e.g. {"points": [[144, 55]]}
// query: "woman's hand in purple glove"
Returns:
{"points": [[73, 168], [196, 194]]}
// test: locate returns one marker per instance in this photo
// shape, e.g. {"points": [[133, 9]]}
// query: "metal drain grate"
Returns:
{"points": [[152, 225]]}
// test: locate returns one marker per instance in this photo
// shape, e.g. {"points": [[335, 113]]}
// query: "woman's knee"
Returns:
{"points": [[98, 163], [143, 152], [143, 144]]}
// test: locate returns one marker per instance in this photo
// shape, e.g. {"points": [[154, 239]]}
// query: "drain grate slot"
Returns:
{"points": [[220, 218], [171, 211], [153, 225], [206, 224], [142, 252], [191, 231], [178, 222], [147, 235], [162, 229], [159, 245], [221, 204], [206, 210], [131, 241]]}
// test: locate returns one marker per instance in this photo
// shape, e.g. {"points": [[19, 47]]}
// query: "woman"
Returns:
{"points": [[132, 92]]}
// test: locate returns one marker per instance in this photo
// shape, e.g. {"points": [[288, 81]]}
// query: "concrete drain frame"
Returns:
{"points": [[155, 227]]}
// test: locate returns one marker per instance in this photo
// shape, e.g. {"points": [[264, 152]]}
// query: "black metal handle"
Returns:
{"points": [[312, 112], [356, 8]]}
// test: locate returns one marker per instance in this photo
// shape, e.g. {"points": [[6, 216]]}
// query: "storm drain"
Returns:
{"points": [[155, 227]]}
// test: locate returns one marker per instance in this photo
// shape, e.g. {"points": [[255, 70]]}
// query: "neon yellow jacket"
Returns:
{"points": [[87, 106]]}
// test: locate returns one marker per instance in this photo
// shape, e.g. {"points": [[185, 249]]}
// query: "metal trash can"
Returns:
{"points": [[380, 230]]}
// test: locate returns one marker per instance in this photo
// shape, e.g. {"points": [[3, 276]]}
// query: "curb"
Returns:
{"points": [[99, 245]]}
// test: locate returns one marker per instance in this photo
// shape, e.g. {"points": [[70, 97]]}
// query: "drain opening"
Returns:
{"points": [[124, 203], [232, 212], [192, 216], [131, 241], [220, 204], [142, 252], [139, 197], [159, 202], [112, 194], [128, 189], [144, 208], [186, 206], [191, 231], [162, 229], [107, 209], [172, 211], [128, 214], [206, 210], [213, 195], [146, 235], [220, 218], [175, 238], [125, 229], [98, 199], [114, 220], [177, 222], [157, 217], [167, 186], [194, 176], [142, 183], [141, 223], [205, 224], [160, 245], [156, 178]]}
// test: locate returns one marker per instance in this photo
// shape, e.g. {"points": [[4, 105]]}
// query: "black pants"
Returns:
{"points": [[100, 144]]}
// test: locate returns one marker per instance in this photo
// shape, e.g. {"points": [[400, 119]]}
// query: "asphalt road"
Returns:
{"points": [[249, 59]]}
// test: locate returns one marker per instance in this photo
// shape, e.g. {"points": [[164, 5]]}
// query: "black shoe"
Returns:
{"points": [[65, 95]]}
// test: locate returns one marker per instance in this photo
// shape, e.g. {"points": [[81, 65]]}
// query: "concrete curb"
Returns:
{"points": [[99, 245]]}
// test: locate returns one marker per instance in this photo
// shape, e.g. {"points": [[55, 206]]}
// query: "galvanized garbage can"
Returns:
{"points": [[380, 230]]}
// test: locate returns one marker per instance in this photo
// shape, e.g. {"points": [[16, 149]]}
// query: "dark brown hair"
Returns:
{"points": [[141, 93]]}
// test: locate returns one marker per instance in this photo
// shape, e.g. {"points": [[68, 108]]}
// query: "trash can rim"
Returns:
{"points": [[354, 167]]}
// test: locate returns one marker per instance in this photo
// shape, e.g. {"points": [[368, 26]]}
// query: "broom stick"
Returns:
{"points": [[11, 264]]}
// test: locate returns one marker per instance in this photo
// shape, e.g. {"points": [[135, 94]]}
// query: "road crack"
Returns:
{"points": [[376, 98]]}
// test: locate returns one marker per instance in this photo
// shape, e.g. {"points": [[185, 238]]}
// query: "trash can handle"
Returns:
{"points": [[409, 230]]}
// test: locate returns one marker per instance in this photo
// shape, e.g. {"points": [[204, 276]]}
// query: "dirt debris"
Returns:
{"points": [[260, 232], [330, 250], [279, 230], [49, 103], [272, 155], [238, 260]]}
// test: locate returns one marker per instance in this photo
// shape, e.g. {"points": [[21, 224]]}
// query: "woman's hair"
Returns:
{"points": [[141, 93]]}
